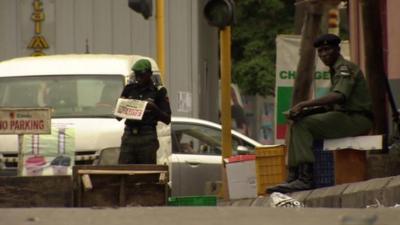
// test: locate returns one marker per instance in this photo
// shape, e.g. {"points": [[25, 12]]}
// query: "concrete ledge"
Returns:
{"points": [[326, 197], [243, 202], [261, 201], [354, 195], [361, 194], [301, 196], [391, 193]]}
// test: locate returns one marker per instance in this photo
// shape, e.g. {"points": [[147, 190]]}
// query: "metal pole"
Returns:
{"points": [[225, 43], [226, 92], [20, 155], [160, 36]]}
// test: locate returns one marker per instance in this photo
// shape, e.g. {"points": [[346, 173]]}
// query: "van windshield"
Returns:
{"points": [[68, 95]]}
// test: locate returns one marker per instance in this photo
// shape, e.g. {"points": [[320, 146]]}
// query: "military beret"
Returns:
{"points": [[141, 66], [327, 39]]}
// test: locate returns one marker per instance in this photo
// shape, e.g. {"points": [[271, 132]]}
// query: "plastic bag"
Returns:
{"points": [[279, 200]]}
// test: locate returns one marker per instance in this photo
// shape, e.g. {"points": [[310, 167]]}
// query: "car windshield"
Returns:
{"points": [[191, 138], [67, 95]]}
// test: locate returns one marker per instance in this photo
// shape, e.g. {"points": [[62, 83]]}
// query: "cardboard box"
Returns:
{"points": [[241, 175]]}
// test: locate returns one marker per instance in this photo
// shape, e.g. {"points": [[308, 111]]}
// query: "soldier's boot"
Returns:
{"points": [[304, 182], [292, 176]]}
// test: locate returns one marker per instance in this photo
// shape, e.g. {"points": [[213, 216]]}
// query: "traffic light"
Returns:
{"points": [[220, 13], [144, 7], [333, 18]]}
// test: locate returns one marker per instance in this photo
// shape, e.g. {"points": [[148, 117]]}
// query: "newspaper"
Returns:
{"points": [[130, 108]]}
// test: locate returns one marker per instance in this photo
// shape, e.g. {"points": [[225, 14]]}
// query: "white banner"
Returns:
{"points": [[130, 108], [25, 120]]}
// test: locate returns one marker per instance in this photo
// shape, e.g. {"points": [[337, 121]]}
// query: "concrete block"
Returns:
{"points": [[361, 194], [260, 201], [300, 196], [221, 202], [391, 193], [326, 197], [243, 202], [267, 202]]}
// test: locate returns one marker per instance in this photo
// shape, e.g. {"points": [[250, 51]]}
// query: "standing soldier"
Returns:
{"points": [[347, 112], [139, 142]]}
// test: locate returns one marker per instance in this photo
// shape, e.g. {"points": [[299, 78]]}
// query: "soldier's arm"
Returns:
{"points": [[340, 91], [162, 106], [329, 99]]}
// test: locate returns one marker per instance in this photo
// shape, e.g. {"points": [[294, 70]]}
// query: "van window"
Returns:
{"points": [[67, 95]]}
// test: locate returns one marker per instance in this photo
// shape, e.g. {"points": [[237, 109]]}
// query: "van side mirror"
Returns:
{"points": [[242, 150]]}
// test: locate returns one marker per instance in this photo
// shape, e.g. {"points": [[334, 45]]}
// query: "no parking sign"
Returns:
{"points": [[25, 121]]}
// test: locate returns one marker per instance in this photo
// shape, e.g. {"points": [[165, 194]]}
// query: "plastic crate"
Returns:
{"points": [[270, 166], [193, 201], [324, 173]]}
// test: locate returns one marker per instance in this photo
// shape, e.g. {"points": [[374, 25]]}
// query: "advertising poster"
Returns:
{"points": [[51, 154], [287, 58]]}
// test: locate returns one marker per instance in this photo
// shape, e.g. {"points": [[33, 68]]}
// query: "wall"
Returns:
{"points": [[393, 47], [393, 29], [102, 26], [110, 26]]}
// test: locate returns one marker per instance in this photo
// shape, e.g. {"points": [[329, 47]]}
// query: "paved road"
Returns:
{"points": [[193, 215]]}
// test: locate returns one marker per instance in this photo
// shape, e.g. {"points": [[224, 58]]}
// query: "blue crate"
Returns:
{"points": [[324, 172]]}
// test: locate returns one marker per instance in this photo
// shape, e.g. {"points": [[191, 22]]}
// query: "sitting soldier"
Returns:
{"points": [[347, 113]]}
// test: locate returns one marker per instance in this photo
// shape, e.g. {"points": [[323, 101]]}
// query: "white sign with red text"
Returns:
{"points": [[130, 108], [25, 121]]}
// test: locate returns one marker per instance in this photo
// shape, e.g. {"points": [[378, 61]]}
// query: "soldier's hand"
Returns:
{"points": [[151, 106], [295, 111], [287, 114]]}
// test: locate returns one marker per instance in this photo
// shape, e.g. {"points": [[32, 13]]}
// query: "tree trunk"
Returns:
{"points": [[374, 66], [299, 16], [306, 66]]}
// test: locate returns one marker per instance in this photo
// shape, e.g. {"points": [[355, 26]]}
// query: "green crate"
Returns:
{"points": [[193, 201]]}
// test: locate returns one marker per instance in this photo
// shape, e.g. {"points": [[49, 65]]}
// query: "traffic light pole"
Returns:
{"points": [[225, 52], [225, 43], [160, 36]]}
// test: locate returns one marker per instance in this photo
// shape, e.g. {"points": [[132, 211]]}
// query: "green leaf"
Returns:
{"points": [[253, 42]]}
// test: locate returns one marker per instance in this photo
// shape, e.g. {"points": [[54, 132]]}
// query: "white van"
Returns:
{"points": [[82, 91]]}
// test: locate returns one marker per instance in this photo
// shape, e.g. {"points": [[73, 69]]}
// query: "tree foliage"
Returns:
{"points": [[258, 22]]}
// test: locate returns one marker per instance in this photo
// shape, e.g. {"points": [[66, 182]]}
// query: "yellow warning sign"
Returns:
{"points": [[38, 42]]}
